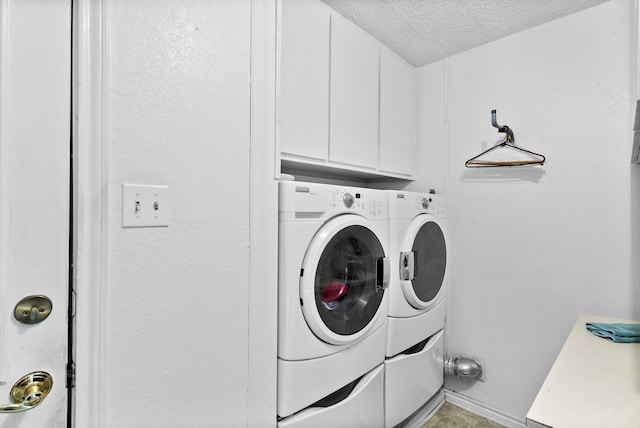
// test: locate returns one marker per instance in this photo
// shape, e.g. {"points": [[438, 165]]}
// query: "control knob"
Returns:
{"points": [[348, 200], [425, 203]]}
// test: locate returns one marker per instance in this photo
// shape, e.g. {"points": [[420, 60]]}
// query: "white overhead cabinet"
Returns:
{"points": [[353, 136], [304, 79], [397, 114], [346, 100]]}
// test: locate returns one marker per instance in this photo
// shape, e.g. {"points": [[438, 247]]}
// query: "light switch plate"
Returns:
{"points": [[145, 205]]}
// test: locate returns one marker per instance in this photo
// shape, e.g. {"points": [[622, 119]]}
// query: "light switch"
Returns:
{"points": [[145, 205]]}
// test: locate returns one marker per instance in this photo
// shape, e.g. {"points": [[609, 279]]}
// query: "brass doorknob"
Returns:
{"points": [[28, 392]]}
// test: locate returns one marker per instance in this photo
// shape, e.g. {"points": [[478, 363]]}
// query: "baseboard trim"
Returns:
{"points": [[426, 412], [483, 410]]}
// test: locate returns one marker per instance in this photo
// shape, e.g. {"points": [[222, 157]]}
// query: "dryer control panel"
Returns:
{"points": [[409, 204], [436, 205]]}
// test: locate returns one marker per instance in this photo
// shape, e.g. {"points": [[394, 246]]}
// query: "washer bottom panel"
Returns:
{"points": [[363, 408], [302, 383], [412, 379]]}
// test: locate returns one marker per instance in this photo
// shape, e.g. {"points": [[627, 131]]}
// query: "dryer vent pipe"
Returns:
{"points": [[463, 368]]}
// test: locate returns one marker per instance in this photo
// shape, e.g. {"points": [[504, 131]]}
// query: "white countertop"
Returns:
{"points": [[593, 383]]}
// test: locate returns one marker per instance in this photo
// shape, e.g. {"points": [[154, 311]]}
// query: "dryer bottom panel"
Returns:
{"points": [[406, 332], [363, 408], [412, 379]]}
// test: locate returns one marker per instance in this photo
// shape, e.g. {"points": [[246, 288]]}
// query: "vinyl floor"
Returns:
{"points": [[450, 416]]}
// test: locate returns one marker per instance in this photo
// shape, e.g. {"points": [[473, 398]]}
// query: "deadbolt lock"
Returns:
{"points": [[33, 309]]}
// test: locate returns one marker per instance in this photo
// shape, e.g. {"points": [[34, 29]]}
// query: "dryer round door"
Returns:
{"points": [[423, 262], [345, 273]]}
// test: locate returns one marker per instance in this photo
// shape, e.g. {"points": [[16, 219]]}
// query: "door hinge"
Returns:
{"points": [[71, 375]]}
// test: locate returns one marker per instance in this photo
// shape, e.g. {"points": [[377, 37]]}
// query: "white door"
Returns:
{"points": [[346, 274], [424, 248], [35, 99]]}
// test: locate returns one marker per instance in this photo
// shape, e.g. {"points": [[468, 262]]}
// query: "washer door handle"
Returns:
{"points": [[407, 266], [382, 274]]}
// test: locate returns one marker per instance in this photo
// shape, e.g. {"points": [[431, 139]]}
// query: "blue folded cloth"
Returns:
{"points": [[616, 332]]}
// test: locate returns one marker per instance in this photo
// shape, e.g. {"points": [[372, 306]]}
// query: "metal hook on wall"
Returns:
{"points": [[508, 143], [502, 128]]}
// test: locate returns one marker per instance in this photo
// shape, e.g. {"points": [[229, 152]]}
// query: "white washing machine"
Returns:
{"points": [[418, 234], [332, 302]]}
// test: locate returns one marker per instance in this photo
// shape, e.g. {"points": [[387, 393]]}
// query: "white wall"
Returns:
{"points": [[176, 345], [528, 253], [533, 248]]}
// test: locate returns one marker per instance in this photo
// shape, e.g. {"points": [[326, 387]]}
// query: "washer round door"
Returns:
{"points": [[423, 262], [343, 279]]}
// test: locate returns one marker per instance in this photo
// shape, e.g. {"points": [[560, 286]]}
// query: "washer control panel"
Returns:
{"points": [[313, 201], [370, 203]]}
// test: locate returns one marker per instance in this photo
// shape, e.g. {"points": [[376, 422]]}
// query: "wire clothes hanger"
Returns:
{"points": [[508, 143]]}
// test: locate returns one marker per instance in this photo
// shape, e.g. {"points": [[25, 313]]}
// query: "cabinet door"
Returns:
{"points": [[304, 79], [397, 111], [353, 131]]}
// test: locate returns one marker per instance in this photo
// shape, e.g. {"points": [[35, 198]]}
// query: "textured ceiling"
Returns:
{"points": [[424, 31]]}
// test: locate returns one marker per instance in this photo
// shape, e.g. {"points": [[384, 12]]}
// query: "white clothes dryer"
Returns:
{"points": [[417, 301], [332, 281], [418, 234]]}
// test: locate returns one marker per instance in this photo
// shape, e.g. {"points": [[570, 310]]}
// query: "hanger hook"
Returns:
{"points": [[502, 128]]}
